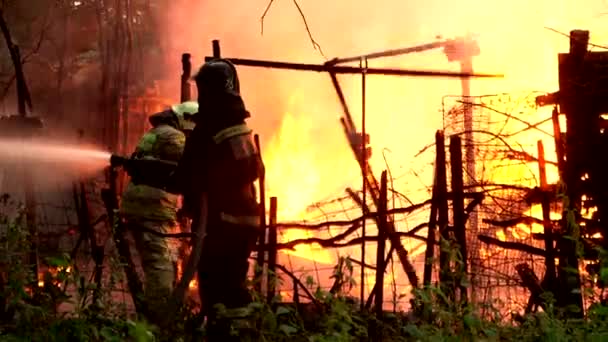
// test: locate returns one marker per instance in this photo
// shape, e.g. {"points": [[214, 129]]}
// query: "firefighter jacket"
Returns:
{"points": [[148, 199], [221, 159]]}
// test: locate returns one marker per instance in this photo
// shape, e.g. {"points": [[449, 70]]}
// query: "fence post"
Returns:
{"points": [[458, 212], [443, 217], [185, 93], [261, 250], [382, 209], [272, 249], [216, 48], [430, 242]]}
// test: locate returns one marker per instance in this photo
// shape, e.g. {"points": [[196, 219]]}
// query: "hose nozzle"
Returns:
{"points": [[118, 161]]}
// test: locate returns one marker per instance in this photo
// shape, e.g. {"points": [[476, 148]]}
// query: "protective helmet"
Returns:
{"points": [[185, 113], [218, 76]]}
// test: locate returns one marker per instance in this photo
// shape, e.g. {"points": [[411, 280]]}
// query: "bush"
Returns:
{"points": [[28, 312]]}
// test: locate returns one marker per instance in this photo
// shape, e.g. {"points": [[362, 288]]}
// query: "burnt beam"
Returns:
{"points": [[352, 69]]}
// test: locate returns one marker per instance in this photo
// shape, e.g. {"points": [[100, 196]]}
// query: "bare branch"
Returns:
{"points": [[507, 115], [298, 282], [513, 222], [264, 15], [333, 242], [404, 210], [567, 35], [518, 246], [315, 45], [312, 39]]}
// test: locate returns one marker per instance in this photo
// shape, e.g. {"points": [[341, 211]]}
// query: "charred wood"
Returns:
{"points": [[517, 246], [351, 70]]}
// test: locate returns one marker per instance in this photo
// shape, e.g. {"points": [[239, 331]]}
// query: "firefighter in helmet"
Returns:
{"points": [[220, 160], [149, 203]]}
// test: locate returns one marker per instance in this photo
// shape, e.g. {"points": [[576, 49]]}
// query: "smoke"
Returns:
{"points": [[403, 113]]}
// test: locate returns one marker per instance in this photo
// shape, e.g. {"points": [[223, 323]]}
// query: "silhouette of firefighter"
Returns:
{"points": [[221, 161], [150, 203]]}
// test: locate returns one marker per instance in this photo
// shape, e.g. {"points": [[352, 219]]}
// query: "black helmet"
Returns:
{"points": [[218, 76]]}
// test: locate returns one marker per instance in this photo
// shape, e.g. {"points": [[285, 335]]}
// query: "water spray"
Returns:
{"points": [[40, 151]]}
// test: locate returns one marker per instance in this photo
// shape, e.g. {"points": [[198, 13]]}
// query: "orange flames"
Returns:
{"points": [[53, 271], [296, 113], [193, 285]]}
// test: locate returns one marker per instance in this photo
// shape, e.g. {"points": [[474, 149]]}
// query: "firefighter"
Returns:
{"points": [[221, 161], [149, 205]]}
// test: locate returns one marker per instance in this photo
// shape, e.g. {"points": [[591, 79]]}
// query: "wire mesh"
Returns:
{"points": [[506, 129]]}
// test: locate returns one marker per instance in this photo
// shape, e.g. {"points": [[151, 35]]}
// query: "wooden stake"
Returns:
{"points": [[262, 253], [430, 244], [458, 212], [382, 208], [443, 217], [272, 249], [216, 49], [186, 90]]}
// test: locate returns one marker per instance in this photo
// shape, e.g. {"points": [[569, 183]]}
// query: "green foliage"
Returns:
{"points": [[30, 314]]}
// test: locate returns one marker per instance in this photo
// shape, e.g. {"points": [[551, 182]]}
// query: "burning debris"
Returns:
{"points": [[473, 233]]}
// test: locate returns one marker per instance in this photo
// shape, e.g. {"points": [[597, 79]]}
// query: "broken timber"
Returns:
{"points": [[349, 127], [352, 69]]}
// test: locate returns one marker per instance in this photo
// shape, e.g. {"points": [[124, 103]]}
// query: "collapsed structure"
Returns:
{"points": [[580, 99]]}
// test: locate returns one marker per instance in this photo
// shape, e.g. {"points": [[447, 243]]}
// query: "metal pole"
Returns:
{"points": [[363, 66]]}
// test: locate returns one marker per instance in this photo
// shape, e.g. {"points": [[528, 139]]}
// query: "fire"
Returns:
{"points": [[54, 272], [193, 284], [291, 167], [295, 174], [500, 234], [306, 154]]}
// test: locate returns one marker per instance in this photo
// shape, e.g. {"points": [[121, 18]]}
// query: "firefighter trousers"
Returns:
{"points": [[223, 268], [158, 258]]}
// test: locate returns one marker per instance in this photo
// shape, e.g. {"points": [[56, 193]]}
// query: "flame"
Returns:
{"points": [[295, 177], [500, 234], [193, 284], [296, 114], [292, 167]]}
